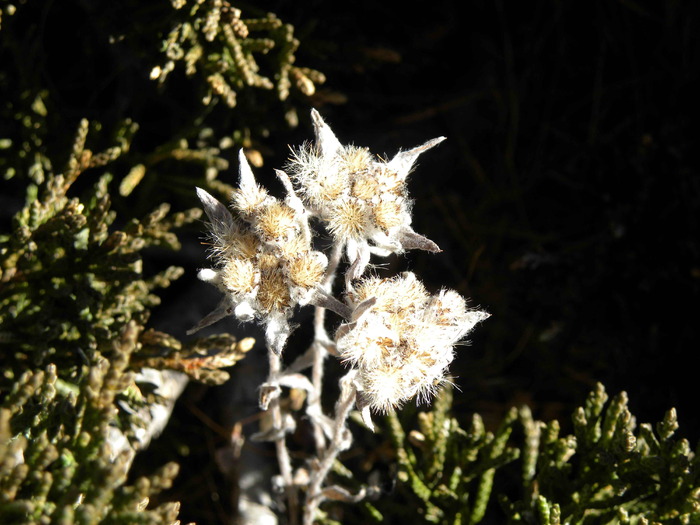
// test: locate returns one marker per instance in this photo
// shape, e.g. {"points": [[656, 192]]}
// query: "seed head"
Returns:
{"points": [[350, 218], [239, 276], [275, 222]]}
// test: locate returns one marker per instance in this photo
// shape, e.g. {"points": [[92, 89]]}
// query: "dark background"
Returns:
{"points": [[565, 199]]}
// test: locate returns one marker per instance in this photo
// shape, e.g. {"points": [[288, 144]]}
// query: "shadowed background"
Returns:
{"points": [[565, 199]]}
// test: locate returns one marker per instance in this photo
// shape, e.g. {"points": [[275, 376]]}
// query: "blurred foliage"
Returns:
{"points": [[610, 470], [84, 380], [69, 284], [172, 71], [211, 38], [57, 464]]}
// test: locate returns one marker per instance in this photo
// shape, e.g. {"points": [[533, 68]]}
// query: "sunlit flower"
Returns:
{"points": [[401, 339], [264, 263], [362, 199]]}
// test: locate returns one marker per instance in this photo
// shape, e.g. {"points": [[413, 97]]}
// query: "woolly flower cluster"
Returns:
{"points": [[362, 200], [397, 338], [401, 339], [265, 265]]}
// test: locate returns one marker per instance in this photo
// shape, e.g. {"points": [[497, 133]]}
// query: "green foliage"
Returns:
{"points": [[73, 305], [172, 65], [57, 462], [81, 371], [608, 471], [69, 284], [450, 470], [211, 39]]}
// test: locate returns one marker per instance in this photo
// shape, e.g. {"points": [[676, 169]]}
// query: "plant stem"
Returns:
{"points": [[339, 442], [283, 458], [319, 346]]}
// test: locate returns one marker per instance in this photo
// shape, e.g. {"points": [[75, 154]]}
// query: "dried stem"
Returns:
{"points": [[283, 457], [319, 356], [321, 339], [340, 441]]}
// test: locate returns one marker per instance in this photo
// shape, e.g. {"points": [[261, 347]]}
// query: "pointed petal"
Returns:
{"points": [[410, 240], [222, 310], [474, 317], [358, 254], [344, 329], [403, 161], [218, 213], [363, 404], [246, 179], [284, 179], [326, 140], [363, 307], [323, 300], [292, 200]]}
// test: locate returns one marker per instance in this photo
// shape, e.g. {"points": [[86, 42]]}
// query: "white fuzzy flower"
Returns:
{"points": [[362, 199], [401, 339], [264, 263]]}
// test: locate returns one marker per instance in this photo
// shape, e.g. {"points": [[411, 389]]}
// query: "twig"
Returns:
{"points": [[283, 458], [319, 346], [340, 441]]}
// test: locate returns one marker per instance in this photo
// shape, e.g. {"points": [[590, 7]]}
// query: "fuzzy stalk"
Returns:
{"points": [[321, 339], [283, 458], [340, 441]]}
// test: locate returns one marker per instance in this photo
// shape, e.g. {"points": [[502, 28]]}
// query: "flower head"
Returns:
{"points": [[363, 200], [263, 260], [401, 339]]}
